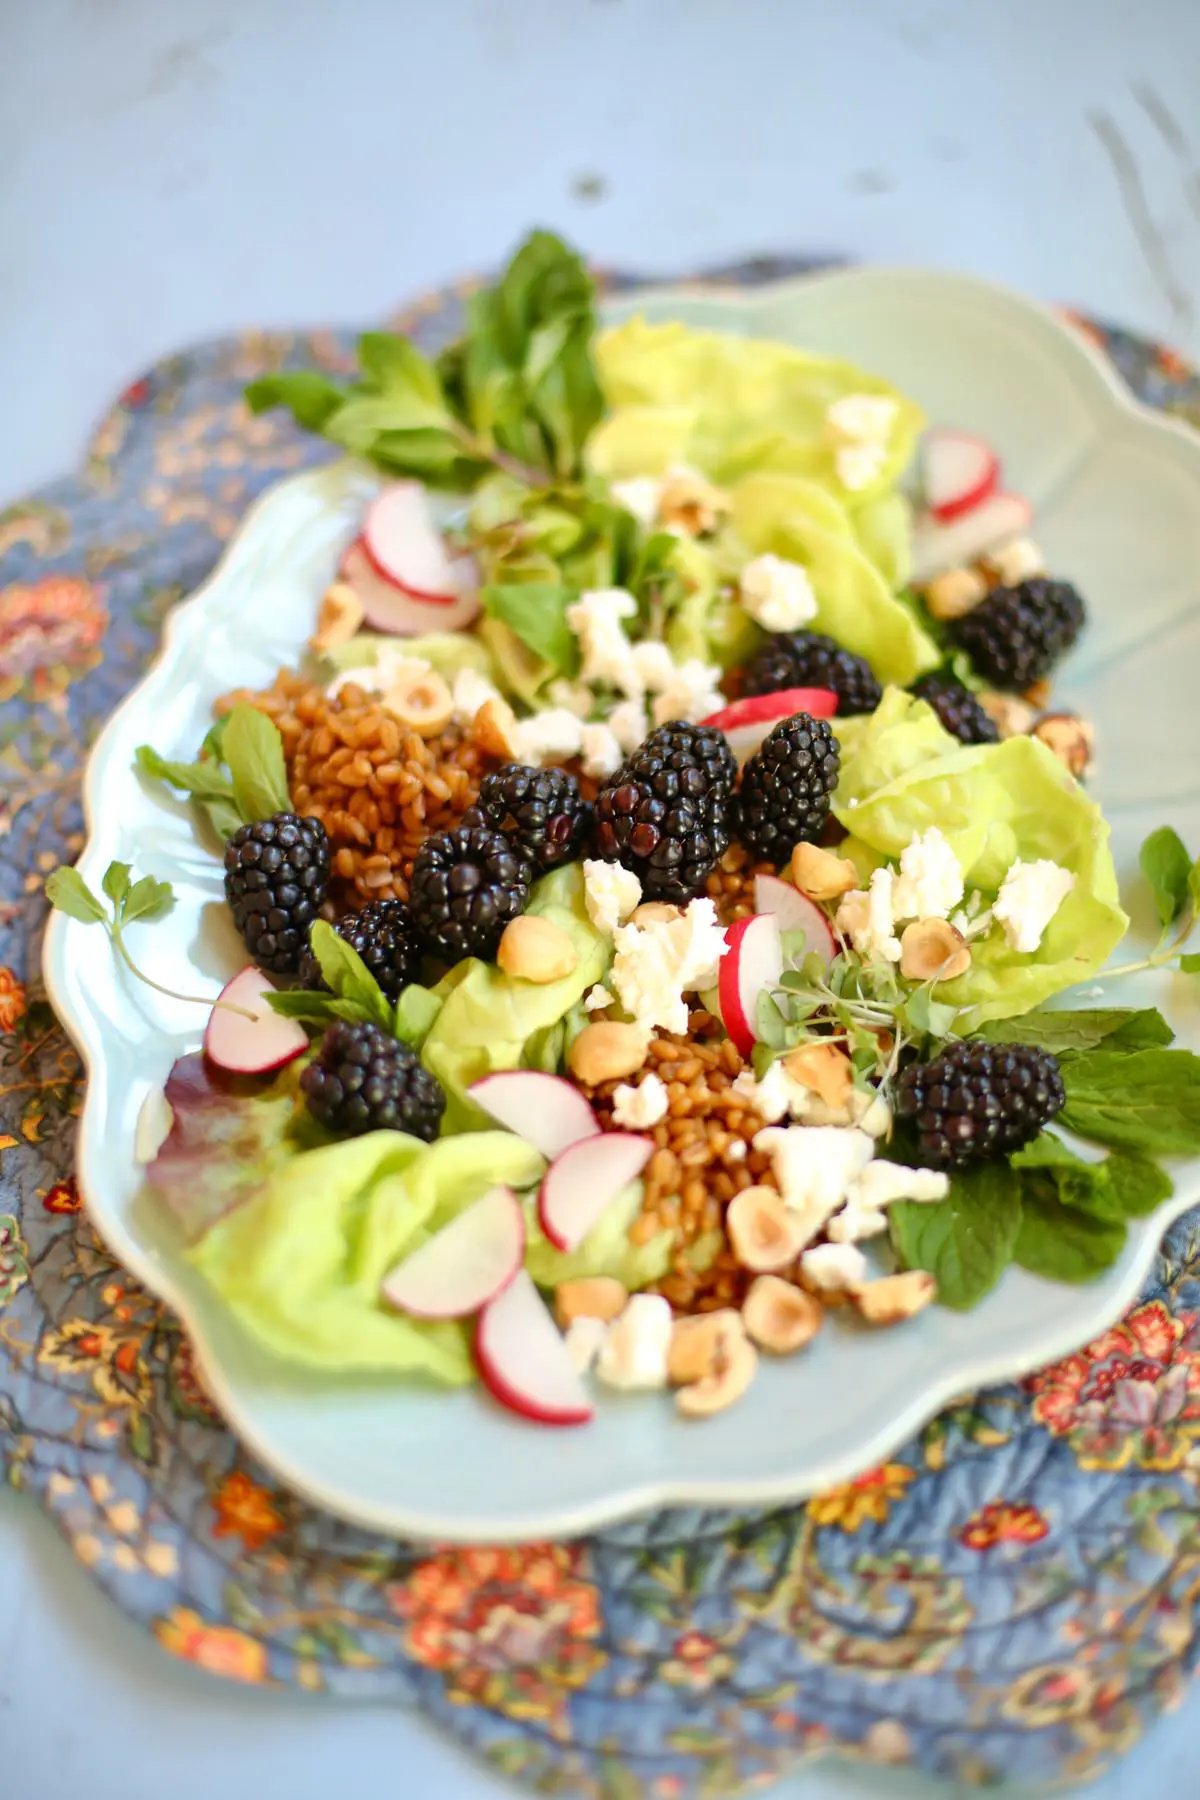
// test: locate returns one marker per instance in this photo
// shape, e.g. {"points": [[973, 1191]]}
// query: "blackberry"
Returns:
{"points": [[810, 659], [979, 1100], [665, 813], [383, 935], [276, 873], [540, 809], [1016, 634], [466, 885], [958, 709], [787, 786], [363, 1080]]}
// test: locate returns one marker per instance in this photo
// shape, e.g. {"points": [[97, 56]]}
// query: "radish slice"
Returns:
{"points": [[548, 1112], [257, 1045], [407, 548], [794, 911], [937, 547], [524, 1361], [581, 1184], [389, 608], [466, 1264], [747, 722], [958, 473], [752, 964]]}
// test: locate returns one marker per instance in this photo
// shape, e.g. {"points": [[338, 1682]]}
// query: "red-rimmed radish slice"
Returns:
{"points": [[391, 609], [465, 1265], [581, 1184], [548, 1112], [747, 722], [524, 1361], [994, 521], [404, 544], [958, 473], [257, 1045], [794, 911], [752, 963]]}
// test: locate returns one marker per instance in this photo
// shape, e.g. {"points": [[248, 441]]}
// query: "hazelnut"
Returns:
{"points": [[1038, 693], [736, 1362], [779, 1317], [591, 1297], [895, 1297], [689, 501], [422, 703], [655, 912], [820, 874], [536, 949], [762, 1232], [607, 1051], [1017, 560], [932, 950], [1011, 717], [954, 593], [338, 618], [824, 1069], [699, 1342], [493, 728], [1071, 738]]}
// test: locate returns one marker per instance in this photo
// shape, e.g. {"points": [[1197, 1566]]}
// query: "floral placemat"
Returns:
{"points": [[1013, 1595]]}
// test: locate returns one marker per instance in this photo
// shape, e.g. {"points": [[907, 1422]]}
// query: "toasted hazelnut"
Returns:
{"points": [[954, 593], [1017, 560], [895, 1297], [690, 502], [762, 1232], [536, 949], [779, 1317], [422, 703], [591, 1297], [1038, 693], [494, 728], [654, 912], [1011, 717], [1071, 738], [820, 874], [932, 950], [736, 1364], [338, 618], [699, 1344], [824, 1069], [607, 1050]]}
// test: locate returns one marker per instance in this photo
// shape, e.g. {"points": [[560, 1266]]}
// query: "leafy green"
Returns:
{"points": [[448, 652], [877, 748], [605, 1251], [346, 974], [416, 1011], [132, 902], [69, 893], [1057, 1029], [1136, 1186], [1139, 1100], [253, 752], [883, 526], [966, 1240], [537, 612], [1167, 867], [1063, 1243]]}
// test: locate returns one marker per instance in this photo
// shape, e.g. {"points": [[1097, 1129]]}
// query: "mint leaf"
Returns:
{"points": [[537, 612], [203, 780], [363, 420], [394, 365], [115, 883], [318, 1008], [1189, 964], [347, 976], [1167, 867], [1134, 1100], [965, 1240], [253, 749], [415, 1014], [223, 816], [1062, 1243], [310, 397], [1135, 1187], [69, 893], [1056, 1029], [147, 900], [927, 1016]]}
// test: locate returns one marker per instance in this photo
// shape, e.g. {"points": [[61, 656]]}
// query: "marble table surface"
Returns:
{"points": [[173, 171]]}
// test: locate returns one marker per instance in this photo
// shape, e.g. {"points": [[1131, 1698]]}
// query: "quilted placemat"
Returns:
{"points": [[1013, 1595]]}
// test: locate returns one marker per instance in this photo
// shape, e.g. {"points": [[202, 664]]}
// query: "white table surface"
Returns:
{"points": [[170, 169]]}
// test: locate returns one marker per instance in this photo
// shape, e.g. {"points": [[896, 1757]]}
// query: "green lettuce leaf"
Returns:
{"points": [[605, 1251], [883, 526], [301, 1261], [449, 652], [879, 747]]}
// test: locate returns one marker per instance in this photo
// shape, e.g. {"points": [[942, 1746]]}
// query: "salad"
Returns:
{"points": [[654, 881]]}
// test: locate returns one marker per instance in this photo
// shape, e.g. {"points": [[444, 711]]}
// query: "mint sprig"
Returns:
{"points": [[239, 776], [353, 994]]}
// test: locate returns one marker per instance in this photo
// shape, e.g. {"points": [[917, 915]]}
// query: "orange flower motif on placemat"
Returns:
{"points": [[49, 630], [218, 1648], [13, 1003], [511, 1628], [63, 1197], [245, 1510], [1001, 1523], [868, 1496], [1170, 363], [697, 1661], [115, 1364], [1131, 1397]]}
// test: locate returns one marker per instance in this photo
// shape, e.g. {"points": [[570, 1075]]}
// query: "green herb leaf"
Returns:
{"points": [[965, 1240], [347, 975], [1136, 1186], [253, 749], [1056, 1029], [318, 1008], [148, 900], [203, 780], [394, 365], [223, 816], [69, 893], [537, 612], [925, 1015], [1167, 867], [1134, 1100], [1189, 964], [311, 398], [1063, 1243], [115, 883], [416, 1011]]}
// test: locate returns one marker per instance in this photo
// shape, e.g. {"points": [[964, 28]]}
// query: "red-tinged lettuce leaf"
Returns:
{"points": [[228, 1133]]}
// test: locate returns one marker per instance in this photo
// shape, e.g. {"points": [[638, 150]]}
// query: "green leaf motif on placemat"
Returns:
{"points": [[14, 1258]]}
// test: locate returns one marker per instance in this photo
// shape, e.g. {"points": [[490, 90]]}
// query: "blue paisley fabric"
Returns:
{"points": [[1014, 1594]]}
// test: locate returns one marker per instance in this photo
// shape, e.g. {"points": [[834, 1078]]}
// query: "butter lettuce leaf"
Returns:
{"points": [[605, 1251], [877, 748]]}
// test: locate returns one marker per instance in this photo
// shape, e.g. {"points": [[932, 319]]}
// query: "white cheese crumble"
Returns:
{"points": [[854, 1223], [859, 425], [602, 753], [858, 465], [391, 668], [584, 1339], [610, 893], [547, 736], [628, 723], [930, 882], [657, 963], [777, 593], [634, 1352], [606, 653], [814, 1165], [1030, 895], [691, 694], [835, 1267], [881, 1182], [637, 1108], [655, 664], [639, 495], [1016, 561], [470, 691], [868, 919], [571, 694], [597, 998]]}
